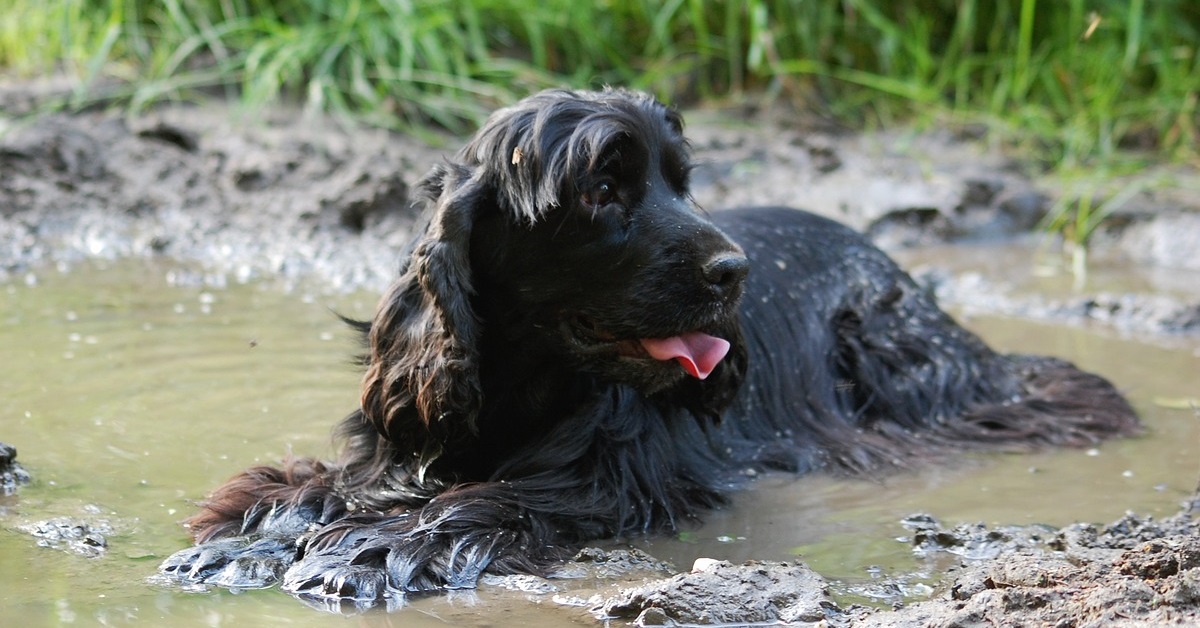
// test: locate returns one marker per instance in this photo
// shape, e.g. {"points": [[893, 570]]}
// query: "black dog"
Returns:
{"points": [[573, 352]]}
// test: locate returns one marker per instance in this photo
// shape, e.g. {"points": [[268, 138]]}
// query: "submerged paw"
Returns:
{"points": [[235, 563], [195, 564], [359, 583]]}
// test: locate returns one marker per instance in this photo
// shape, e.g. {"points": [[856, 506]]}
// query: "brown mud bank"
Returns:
{"points": [[285, 197], [1133, 572]]}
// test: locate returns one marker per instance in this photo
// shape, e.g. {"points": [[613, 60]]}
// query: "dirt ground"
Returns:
{"points": [[287, 196], [1133, 572]]}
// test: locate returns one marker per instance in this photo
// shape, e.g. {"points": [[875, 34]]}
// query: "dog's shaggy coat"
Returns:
{"points": [[573, 351]]}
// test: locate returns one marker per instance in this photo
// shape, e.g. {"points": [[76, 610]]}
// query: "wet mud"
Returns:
{"points": [[287, 197], [717, 592], [1134, 571], [12, 474], [285, 194], [85, 537]]}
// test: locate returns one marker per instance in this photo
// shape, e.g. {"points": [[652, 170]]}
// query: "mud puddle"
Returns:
{"points": [[131, 388]]}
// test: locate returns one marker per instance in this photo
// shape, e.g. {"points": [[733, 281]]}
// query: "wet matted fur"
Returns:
{"points": [[573, 352]]}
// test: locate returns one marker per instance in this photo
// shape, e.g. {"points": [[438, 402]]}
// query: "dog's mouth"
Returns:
{"points": [[697, 352]]}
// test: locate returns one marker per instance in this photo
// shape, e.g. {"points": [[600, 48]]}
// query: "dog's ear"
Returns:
{"points": [[422, 382]]}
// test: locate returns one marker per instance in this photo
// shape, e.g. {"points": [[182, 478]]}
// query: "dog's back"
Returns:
{"points": [[851, 364]]}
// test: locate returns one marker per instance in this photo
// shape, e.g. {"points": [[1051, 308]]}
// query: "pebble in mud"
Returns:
{"points": [[723, 593], [12, 475]]}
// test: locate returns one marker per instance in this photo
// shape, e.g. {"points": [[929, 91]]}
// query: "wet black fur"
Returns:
{"points": [[506, 419]]}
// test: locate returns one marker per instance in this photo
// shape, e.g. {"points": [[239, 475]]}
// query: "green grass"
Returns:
{"points": [[1074, 78], [1086, 201]]}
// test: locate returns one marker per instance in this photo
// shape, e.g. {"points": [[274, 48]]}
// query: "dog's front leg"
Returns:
{"points": [[446, 544]]}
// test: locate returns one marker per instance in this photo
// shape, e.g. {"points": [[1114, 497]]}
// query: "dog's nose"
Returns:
{"points": [[725, 272]]}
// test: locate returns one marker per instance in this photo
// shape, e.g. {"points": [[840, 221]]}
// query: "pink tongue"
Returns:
{"points": [[697, 352]]}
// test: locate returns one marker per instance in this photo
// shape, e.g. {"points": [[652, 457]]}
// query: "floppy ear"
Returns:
{"points": [[422, 377]]}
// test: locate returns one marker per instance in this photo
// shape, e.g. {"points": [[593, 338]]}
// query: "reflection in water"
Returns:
{"points": [[129, 397]]}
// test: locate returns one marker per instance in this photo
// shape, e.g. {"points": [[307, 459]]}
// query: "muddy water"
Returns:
{"points": [[132, 388]]}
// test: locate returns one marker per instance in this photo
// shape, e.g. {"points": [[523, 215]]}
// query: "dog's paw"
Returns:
{"points": [[351, 566], [375, 564], [234, 563], [195, 564], [339, 580]]}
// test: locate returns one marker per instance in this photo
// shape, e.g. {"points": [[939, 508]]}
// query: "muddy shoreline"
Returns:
{"points": [[1135, 571], [290, 198], [287, 196]]}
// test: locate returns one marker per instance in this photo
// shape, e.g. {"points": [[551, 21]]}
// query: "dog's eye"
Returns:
{"points": [[600, 195]]}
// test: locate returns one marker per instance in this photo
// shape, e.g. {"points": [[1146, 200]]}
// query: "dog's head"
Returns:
{"points": [[562, 238]]}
